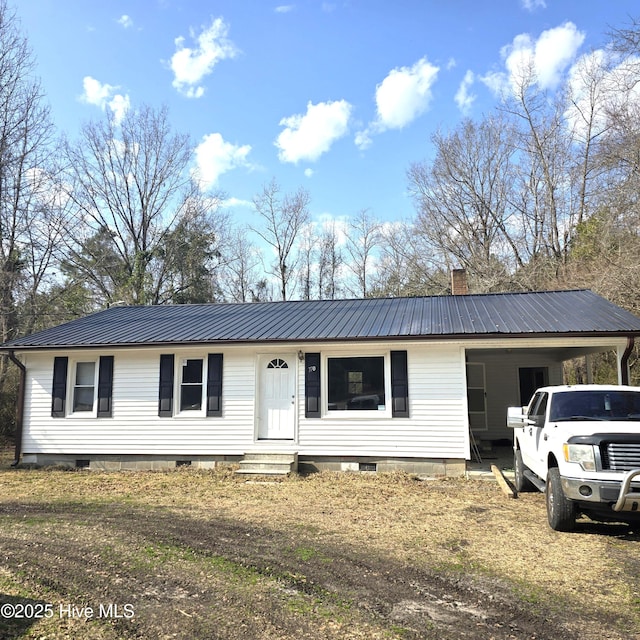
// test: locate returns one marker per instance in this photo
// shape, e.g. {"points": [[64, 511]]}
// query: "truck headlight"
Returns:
{"points": [[582, 454]]}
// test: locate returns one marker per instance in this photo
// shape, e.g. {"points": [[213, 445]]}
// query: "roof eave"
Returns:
{"points": [[8, 348]]}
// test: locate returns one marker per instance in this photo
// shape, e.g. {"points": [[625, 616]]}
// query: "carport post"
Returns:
{"points": [[623, 361]]}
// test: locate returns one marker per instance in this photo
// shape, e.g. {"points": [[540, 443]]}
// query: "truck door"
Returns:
{"points": [[531, 446]]}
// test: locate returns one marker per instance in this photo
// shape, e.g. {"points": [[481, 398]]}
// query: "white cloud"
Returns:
{"points": [[464, 98], [532, 5], [95, 92], [125, 21], [543, 60], [308, 172], [405, 94], [215, 156], [401, 97], [119, 104], [238, 203], [308, 136], [191, 65], [103, 96], [285, 8], [554, 51]]}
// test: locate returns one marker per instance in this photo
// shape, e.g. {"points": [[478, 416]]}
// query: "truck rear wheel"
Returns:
{"points": [[523, 485], [561, 512]]}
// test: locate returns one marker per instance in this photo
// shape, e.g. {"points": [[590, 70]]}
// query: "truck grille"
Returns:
{"points": [[621, 457]]}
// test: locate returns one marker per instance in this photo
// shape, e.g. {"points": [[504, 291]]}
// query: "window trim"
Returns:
{"points": [[366, 414], [180, 385], [74, 386], [71, 388]]}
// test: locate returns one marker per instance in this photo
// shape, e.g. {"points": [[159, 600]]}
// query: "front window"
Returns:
{"points": [[356, 384], [191, 385], [84, 386]]}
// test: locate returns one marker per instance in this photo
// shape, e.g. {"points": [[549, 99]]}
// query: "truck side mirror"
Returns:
{"points": [[516, 418]]}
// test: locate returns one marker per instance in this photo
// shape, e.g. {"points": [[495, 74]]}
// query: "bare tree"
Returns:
{"points": [[330, 262], [240, 279], [307, 258], [551, 173], [27, 226], [284, 218], [605, 251], [463, 200], [30, 225], [409, 265], [363, 240], [131, 189]]}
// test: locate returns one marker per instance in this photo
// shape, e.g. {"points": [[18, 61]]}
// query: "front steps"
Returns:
{"points": [[268, 464]]}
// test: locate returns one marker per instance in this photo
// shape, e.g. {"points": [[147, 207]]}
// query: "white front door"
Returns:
{"points": [[276, 417]]}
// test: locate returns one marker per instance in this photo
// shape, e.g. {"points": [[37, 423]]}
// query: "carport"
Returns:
{"points": [[507, 373]]}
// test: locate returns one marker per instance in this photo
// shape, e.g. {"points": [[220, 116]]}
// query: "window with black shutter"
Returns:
{"points": [[165, 400], [59, 388], [312, 385], [196, 383], [214, 385], [399, 385], [82, 387], [105, 387]]}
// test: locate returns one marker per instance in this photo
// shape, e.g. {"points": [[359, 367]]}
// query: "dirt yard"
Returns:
{"points": [[200, 555]]}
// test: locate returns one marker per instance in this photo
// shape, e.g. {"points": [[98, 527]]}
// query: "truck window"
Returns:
{"points": [[538, 406], [595, 405]]}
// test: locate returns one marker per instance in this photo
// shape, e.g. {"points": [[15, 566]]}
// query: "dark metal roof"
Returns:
{"points": [[546, 313]]}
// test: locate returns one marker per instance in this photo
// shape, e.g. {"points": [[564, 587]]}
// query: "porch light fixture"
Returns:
{"points": [[300, 355]]}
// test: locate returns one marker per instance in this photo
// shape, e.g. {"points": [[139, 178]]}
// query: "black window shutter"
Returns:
{"points": [[59, 388], [214, 384], [165, 401], [105, 386], [312, 407], [399, 385]]}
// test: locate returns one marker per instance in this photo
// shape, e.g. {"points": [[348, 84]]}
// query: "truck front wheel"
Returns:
{"points": [[561, 512]]}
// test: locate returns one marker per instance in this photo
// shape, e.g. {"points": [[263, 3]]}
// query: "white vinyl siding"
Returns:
{"points": [[135, 427], [436, 426]]}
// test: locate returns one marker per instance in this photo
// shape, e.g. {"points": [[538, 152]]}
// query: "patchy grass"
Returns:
{"points": [[207, 555]]}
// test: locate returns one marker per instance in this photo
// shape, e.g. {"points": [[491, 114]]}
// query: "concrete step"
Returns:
{"points": [[271, 456], [258, 467], [268, 463]]}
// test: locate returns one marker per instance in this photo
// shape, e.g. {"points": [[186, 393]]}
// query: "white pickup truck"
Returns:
{"points": [[581, 446]]}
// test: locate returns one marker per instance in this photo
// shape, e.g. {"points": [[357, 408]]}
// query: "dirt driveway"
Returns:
{"points": [[206, 555]]}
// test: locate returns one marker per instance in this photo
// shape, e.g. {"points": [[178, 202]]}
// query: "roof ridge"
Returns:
{"points": [[338, 300]]}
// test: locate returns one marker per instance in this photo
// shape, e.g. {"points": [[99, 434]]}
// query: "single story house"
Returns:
{"points": [[397, 383]]}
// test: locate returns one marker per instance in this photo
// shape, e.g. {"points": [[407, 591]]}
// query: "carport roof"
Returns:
{"points": [[530, 314]]}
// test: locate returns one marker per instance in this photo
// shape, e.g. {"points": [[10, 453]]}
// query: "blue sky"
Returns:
{"points": [[336, 96]]}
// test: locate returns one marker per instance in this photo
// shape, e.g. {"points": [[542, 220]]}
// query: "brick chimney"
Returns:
{"points": [[459, 282]]}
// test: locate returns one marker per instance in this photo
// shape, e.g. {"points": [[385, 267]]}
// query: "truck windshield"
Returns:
{"points": [[595, 405]]}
